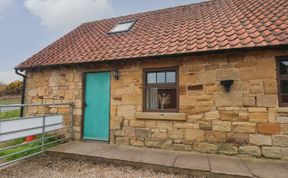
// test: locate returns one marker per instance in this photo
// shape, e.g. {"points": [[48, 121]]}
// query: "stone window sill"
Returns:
{"points": [[282, 109], [160, 116]]}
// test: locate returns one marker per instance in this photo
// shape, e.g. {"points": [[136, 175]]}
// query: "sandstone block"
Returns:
{"points": [[284, 129], [249, 101], [184, 125], [282, 119], [267, 100], [136, 123], [280, 140], [284, 153], [142, 133], [205, 98], [129, 131], [203, 108], [257, 110], [271, 152], [248, 74], [205, 147], [164, 124], [212, 115], [187, 100], [228, 115], [246, 127], [119, 133], [116, 122], [224, 126], [269, 128], [259, 139], [213, 88], [126, 111], [228, 99], [228, 74], [122, 140], [258, 117], [228, 149], [194, 135], [215, 136], [158, 144], [131, 99], [138, 143], [237, 138], [243, 116], [194, 117], [176, 134], [205, 125], [270, 86], [182, 147], [255, 89], [150, 124], [159, 135], [207, 77], [250, 150]]}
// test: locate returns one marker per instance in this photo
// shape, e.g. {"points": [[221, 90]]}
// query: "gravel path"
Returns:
{"points": [[45, 166]]}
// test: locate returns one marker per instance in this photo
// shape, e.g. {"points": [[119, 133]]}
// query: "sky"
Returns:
{"points": [[27, 26]]}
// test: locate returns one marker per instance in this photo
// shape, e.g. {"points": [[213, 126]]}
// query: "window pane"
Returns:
{"points": [[122, 27], [158, 99], [285, 99], [151, 77], [160, 77], [171, 77], [283, 67], [284, 86]]}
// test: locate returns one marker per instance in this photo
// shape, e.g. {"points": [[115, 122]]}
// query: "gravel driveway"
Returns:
{"points": [[55, 167]]}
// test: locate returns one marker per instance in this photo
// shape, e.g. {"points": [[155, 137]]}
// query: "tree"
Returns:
{"points": [[13, 88]]}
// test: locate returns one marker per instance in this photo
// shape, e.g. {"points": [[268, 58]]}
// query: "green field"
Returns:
{"points": [[9, 101], [9, 114]]}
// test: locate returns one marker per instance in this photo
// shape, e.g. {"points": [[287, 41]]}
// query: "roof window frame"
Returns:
{"points": [[123, 22]]}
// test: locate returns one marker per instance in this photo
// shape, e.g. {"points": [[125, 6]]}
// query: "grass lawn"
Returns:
{"points": [[27, 146], [10, 114]]}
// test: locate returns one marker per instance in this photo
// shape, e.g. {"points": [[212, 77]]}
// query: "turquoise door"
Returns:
{"points": [[97, 106]]}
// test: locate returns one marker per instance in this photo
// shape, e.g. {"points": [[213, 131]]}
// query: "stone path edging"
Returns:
{"points": [[209, 165]]}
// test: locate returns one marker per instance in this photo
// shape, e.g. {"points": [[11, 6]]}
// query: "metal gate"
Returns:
{"points": [[48, 125]]}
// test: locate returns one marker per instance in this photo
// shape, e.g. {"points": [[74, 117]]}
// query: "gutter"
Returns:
{"points": [[23, 90]]}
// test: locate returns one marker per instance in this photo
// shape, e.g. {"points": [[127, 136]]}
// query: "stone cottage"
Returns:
{"points": [[210, 77]]}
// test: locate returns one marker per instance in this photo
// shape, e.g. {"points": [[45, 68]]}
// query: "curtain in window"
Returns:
{"points": [[152, 98]]}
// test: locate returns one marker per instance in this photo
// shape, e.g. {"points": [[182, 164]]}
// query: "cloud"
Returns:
{"points": [[5, 6], [62, 15], [8, 76]]}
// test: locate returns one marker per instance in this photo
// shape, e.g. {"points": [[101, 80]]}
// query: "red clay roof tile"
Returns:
{"points": [[206, 26]]}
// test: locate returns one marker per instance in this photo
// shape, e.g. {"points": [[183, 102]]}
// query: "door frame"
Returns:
{"points": [[84, 75]]}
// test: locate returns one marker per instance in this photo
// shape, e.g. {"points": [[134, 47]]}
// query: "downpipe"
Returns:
{"points": [[23, 90]]}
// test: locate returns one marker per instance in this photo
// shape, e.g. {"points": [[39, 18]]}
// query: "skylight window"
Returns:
{"points": [[122, 27]]}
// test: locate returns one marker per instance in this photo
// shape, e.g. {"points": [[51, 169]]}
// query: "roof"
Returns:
{"points": [[207, 26]]}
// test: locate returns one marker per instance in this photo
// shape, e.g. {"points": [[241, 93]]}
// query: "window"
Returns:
{"points": [[122, 27], [282, 66], [161, 90]]}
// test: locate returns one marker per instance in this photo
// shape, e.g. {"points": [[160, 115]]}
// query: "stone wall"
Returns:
{"points": [[247, 120]]}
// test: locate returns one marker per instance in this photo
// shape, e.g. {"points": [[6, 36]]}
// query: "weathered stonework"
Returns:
{"points": [[247, 120]]}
